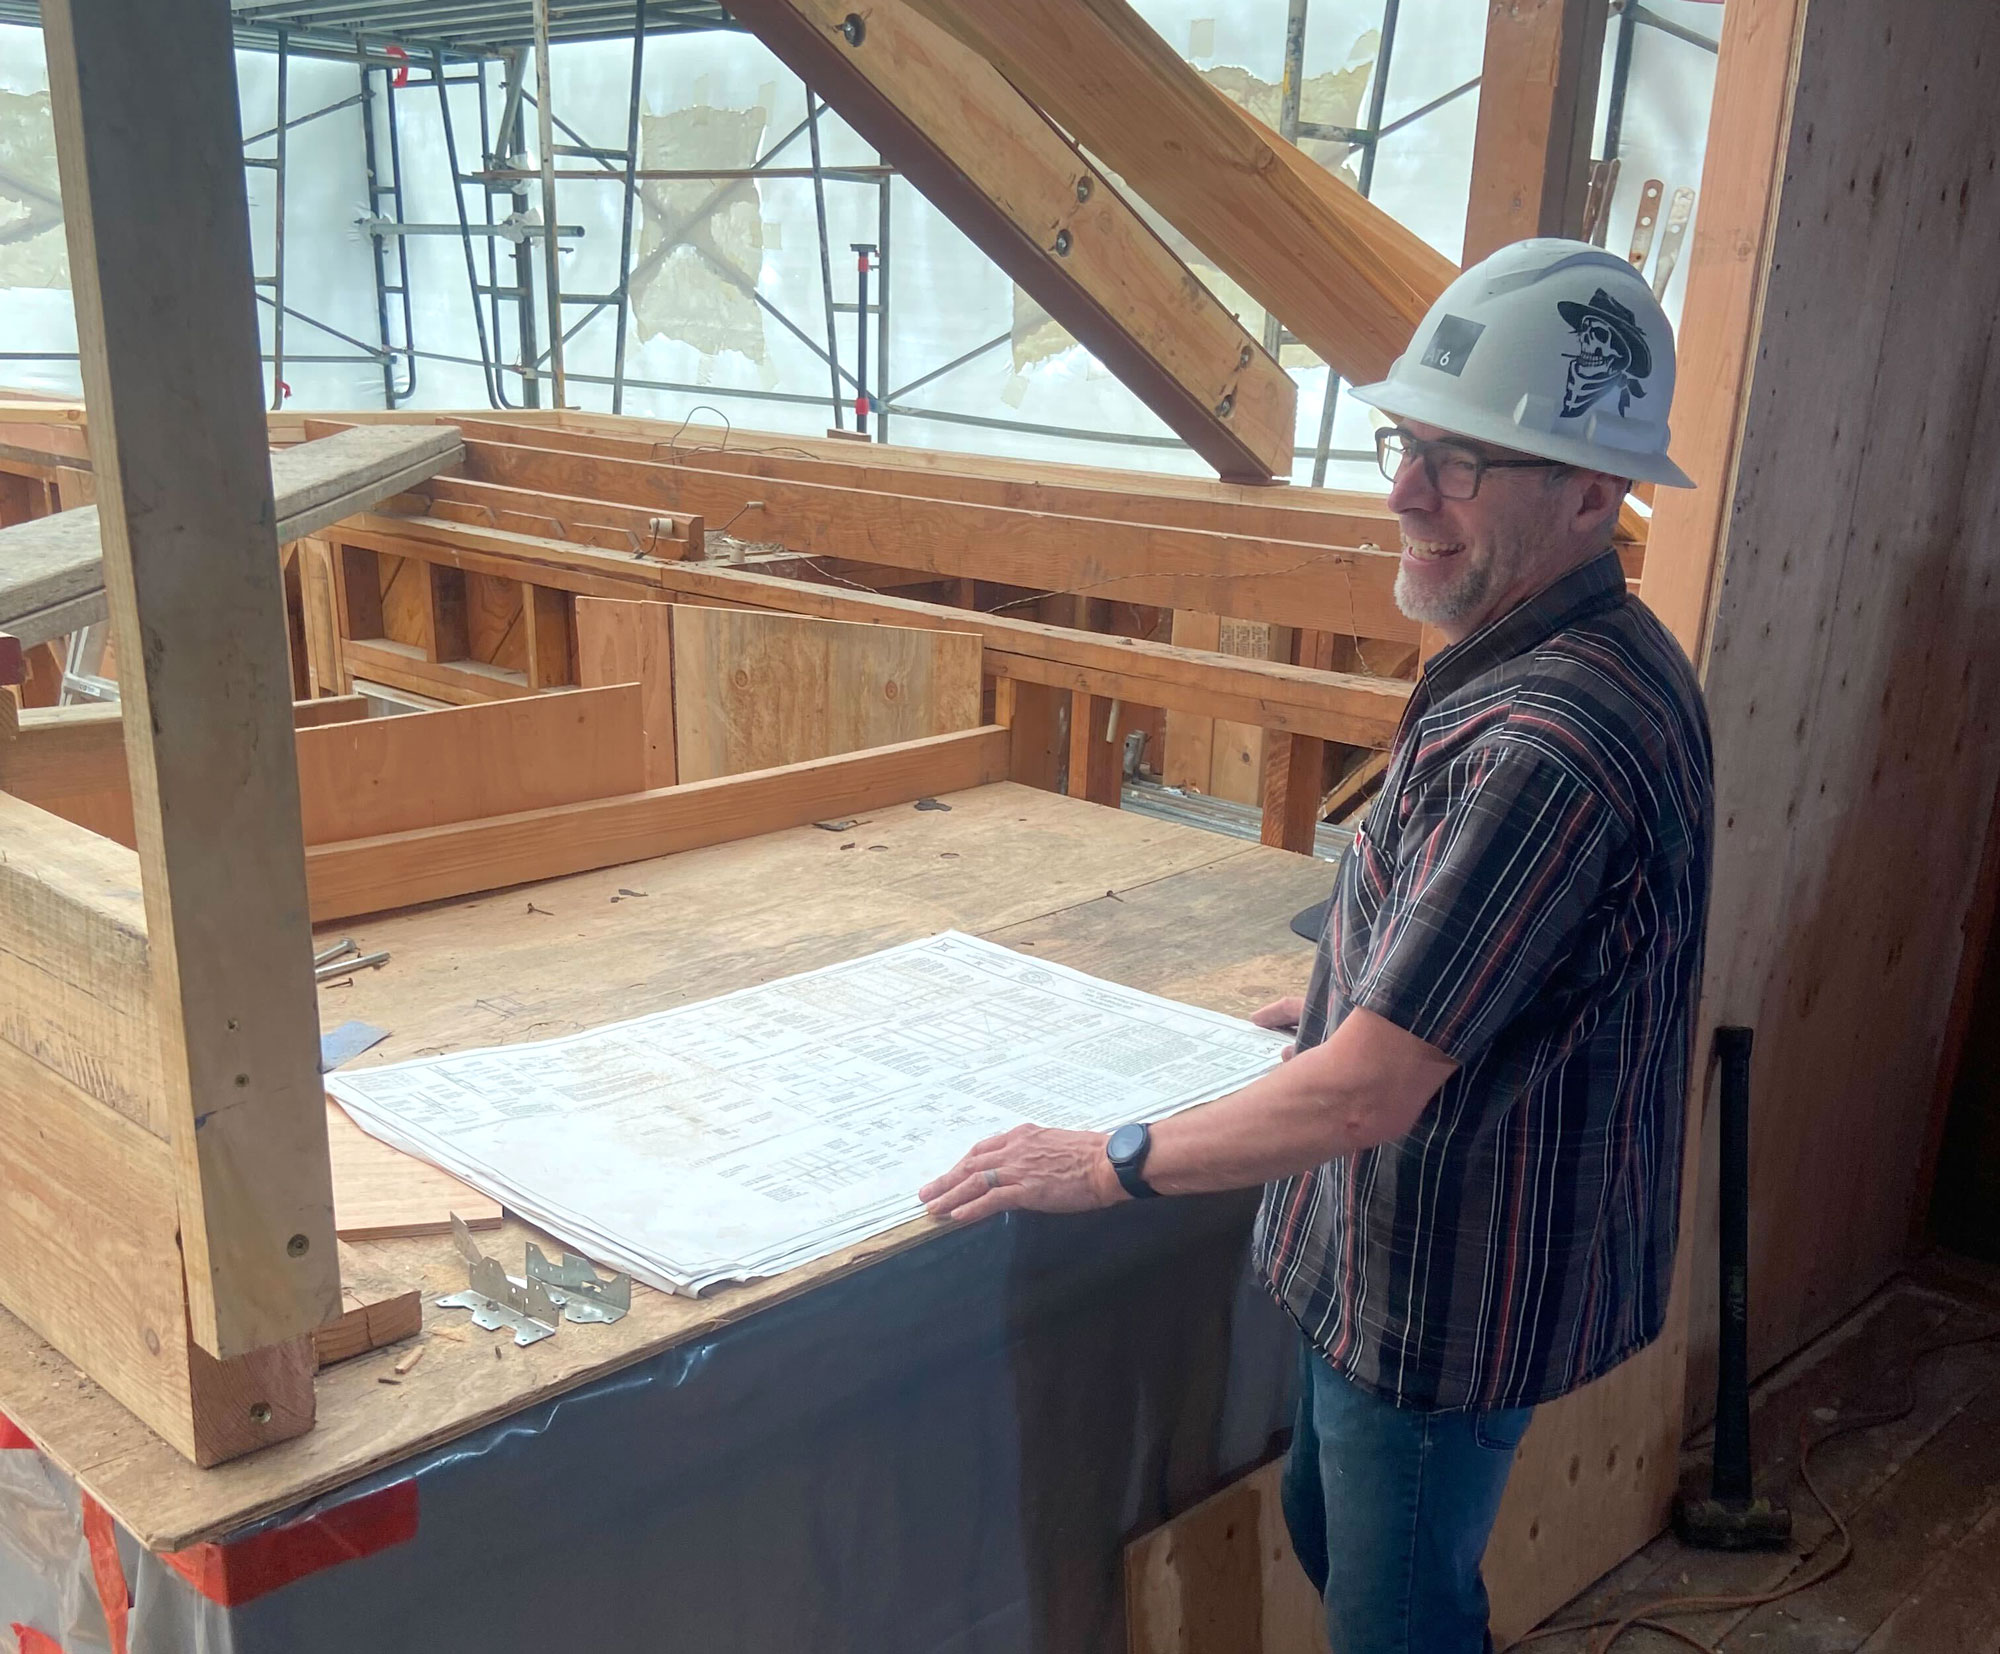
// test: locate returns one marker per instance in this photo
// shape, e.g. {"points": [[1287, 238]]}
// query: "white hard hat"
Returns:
{"points": [[1549, 347]]}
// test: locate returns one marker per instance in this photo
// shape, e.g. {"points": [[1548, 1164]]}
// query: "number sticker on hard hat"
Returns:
{"points": [[1452, 344], [1552, 348]]}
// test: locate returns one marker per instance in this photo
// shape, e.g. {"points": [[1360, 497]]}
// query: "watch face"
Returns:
{"points": [[1126, 1145]]}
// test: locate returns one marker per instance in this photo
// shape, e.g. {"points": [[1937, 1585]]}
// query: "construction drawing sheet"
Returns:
{"points": [[744, 1135]]}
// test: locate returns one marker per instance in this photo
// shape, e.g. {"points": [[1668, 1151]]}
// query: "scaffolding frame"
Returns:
{"points": [[463, 43]]}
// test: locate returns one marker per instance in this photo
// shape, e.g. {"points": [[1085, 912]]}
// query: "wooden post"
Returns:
{"points": [[1033, 713], [1292, 766], [1096, 770], [151, 164], [1537, 108]]}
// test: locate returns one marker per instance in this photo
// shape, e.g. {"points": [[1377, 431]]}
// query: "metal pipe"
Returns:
{"points": [[465, 231], [882, 310], [631, 203], [861, 251], [551, 251], [825, 261], [369, 163], [514, 128], [278, 232], [1380, 90], [1614, 100]]}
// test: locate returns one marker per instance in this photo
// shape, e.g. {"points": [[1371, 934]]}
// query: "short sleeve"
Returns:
{"points": [[1507, 853]]}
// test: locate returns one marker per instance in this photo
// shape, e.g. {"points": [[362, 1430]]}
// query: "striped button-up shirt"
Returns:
{"points": [[1527, 895]]}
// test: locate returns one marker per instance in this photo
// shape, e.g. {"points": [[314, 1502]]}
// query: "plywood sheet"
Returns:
{"points": [[380, 1193], [753, 690]]}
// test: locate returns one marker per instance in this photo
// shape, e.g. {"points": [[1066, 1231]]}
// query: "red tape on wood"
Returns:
{"points": [[237, 1571], [12, 1435]]}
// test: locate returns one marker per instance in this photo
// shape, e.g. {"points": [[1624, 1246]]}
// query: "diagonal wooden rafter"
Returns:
{"points": [[1348, 281], [1012, 182]]}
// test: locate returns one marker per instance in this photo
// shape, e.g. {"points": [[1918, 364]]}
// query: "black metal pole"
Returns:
{"points": [[1732, 1484]]}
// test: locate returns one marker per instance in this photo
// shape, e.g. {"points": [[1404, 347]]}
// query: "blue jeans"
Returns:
{"points": [[1389, 1509]]}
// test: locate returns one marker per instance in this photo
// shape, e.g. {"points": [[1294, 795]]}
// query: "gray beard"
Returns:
{"points": [[1444, 605]]}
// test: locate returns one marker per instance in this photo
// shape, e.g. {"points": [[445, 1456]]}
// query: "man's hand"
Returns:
{"points": [[1028, 1169], [1283, 1015]]}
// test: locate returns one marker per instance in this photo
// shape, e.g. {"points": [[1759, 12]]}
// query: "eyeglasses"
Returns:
{"points": [[1453, 470]]}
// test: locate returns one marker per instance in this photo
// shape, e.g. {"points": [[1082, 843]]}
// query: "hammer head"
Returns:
{"points": [[1732, 1525]]}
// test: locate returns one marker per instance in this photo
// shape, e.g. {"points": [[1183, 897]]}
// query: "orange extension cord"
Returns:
{"points": [[1650, 1615]]}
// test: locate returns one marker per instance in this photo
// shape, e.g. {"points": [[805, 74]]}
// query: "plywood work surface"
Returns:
{"points": [[1161, 907]]}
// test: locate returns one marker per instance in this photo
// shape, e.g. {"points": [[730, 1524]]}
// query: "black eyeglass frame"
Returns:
{"points": [[1426, 451]]}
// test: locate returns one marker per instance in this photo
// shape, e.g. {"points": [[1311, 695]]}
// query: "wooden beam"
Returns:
{"points": [[392, 775], [150, 157], [1537, 108], [1347, 279], [1002, 171], [1356, 711], [377, 1309], [1335, 589], [369, 875], [1316, 516]]}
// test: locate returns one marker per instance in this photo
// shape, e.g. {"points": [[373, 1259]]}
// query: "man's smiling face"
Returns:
{"points": [[1465, 560]]}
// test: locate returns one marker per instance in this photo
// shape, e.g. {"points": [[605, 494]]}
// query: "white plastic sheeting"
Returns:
{"points": [[945, 296]]}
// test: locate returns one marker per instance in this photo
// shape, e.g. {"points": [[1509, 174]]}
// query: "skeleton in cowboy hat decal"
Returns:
{"points": [[1611, 353]]}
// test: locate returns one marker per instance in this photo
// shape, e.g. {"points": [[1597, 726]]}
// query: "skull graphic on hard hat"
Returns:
{"points": [[1611, 354]]}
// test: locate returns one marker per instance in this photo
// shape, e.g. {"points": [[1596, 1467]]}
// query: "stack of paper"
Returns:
{"points": [[744, 1135]]}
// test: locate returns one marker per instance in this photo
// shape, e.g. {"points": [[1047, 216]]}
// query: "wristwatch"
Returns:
{"points": [[1127, 1151]]}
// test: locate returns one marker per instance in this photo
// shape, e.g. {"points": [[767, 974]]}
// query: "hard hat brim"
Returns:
{"points": [[1406, 401]]}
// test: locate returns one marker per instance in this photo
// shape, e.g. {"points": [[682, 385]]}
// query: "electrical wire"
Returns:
{"points": [[1649, 1616]]}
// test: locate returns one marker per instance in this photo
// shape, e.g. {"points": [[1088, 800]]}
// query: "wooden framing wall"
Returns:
{"points": [[1843, 605]]}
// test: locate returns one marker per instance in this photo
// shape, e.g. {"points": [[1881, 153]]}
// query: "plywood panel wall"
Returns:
{"points": [[1850, 666]]}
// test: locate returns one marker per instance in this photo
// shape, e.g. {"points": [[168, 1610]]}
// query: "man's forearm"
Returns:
{"points": [[1318, 1107]]}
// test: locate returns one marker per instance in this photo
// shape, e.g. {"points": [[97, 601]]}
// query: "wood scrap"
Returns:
{"points": [[376, 1310]]}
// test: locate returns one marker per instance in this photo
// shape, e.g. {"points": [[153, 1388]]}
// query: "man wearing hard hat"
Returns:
{"points": [[1472, 1163]]}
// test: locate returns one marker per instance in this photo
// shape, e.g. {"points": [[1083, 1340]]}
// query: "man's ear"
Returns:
{"points": [[1600, 501]]}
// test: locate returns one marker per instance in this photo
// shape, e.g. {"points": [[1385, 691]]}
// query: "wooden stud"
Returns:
{"points": [[150, 156], [545, 614]]}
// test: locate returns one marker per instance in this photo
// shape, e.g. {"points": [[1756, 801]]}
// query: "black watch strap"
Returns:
{"points": [[1127, 1150]]}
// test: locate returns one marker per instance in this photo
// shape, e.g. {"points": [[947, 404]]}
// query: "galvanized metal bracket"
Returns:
{"points": [[575, 1284], [499, 1302]]}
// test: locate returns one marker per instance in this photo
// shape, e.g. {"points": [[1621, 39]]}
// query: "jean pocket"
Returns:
{"points": [[1502, 1429]]}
